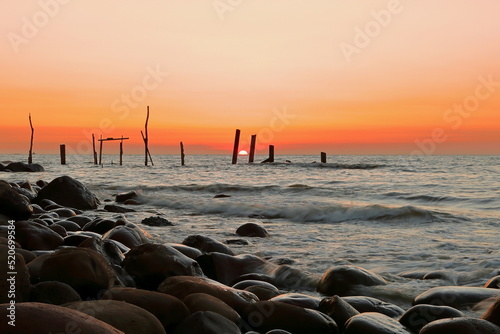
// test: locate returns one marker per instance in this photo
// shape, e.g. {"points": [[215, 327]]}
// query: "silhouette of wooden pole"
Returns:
{"points": [[121, 151], [252, 148], [100, 151], [145, 137], [236, 144], [30, 155], [271, 153], [62, 150], [182, 154], [323, 157], [93, 148]]}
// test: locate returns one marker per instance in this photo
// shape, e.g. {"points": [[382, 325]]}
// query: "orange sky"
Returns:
{"points": [[370, 77]]}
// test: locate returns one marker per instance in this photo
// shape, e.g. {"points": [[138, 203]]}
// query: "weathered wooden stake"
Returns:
{"points": [[271, 153], [93, 148], [236, 144], [182, 154], [145, 137], [30, 156], [100, 151], [62, 150], [252, 148], [323, 157], [121, 151]]}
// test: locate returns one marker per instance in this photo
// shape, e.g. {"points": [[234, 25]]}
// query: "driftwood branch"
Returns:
{"points": [[30, 156], [145, 137]]}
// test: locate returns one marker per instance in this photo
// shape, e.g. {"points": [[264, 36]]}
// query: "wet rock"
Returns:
{"points": [[156, 221], [492, 314], [493, 283], [151, 264], [445, 275], [267, 315], [298, 299], [80, 220], [241, 242], [169, 310], [418, 316], [117, 208], [83, 269], [204, 302], [252, 230], [126, 317], [12, 204], [343, 280], [69, 225], [222, 196], [59, 230], [247, 283], [206, 244], [338, 309], [186, 250], [263, 292], [99, 225], [122, 197], [455, 296], [68, 192], [26, 254], [19, 283], [460, 326], [207, 323], [373, 323], [129, 235], [35, 236], [254, 276], [369, 304], [107, 248], [18, 167], [32, 317], [53, 292], [182, 286]]}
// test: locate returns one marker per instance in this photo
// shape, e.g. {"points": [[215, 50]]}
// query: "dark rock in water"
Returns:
{"points": [[343, 280], [83, 269], [413, 274], [59, 230], [29, 194], [241, 242], [122, 197], [460, 326], [256, 216], [75, 239], [99, 225], [207, 245], [32, 318], [267, 315], [369, 304], [35, 236], [282, 260], [492, 314], [126, 317], [12, 204], [246, 283], [338, 309], [23, 167], [106, 248], [151, 264], [64, 212], [455, 296], [252, 230], [69, 225], [208, 323], [298, 299], [80, 220], [418, 316], [191, 252], [53, 292], [371, 322], [132, 202], [222, 196], [22, 278], [41, 183], [168, 309], [2, 168], [197, 302], [263, 292], [117, 208], [183, 286], [254, 276], [156, 221], [69, 192], [445, 275], [129, 235], [493, 283]]}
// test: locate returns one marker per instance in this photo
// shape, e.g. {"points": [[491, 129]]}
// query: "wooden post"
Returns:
{"points": [[252, 148], [236, 144], [30, 156], [62, 150], [271, 153], [145, 137], [100, 151], [323, 157], [93, 148], [121, 151], [182, 154]]}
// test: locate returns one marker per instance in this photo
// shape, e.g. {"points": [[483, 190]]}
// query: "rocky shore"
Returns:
{"points": [[69, 268]]}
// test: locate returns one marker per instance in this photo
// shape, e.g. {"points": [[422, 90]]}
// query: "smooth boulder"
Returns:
{"points": [[460, 326], [252, 230], [344, 280], [373, 323], [68, 192], [418, 316], [53, 292], [36, 236], [455, 296], [207, 323], [12, 204], [204, 302], [207, 244]]}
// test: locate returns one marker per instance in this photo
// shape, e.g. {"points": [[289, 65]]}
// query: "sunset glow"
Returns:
{"points": [[372, 77]]}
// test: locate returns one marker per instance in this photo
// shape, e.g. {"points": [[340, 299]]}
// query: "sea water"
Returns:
{"points": [[388, 214]]}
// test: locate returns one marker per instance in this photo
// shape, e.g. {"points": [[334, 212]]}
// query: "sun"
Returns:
{"points": [[243, 152]]}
